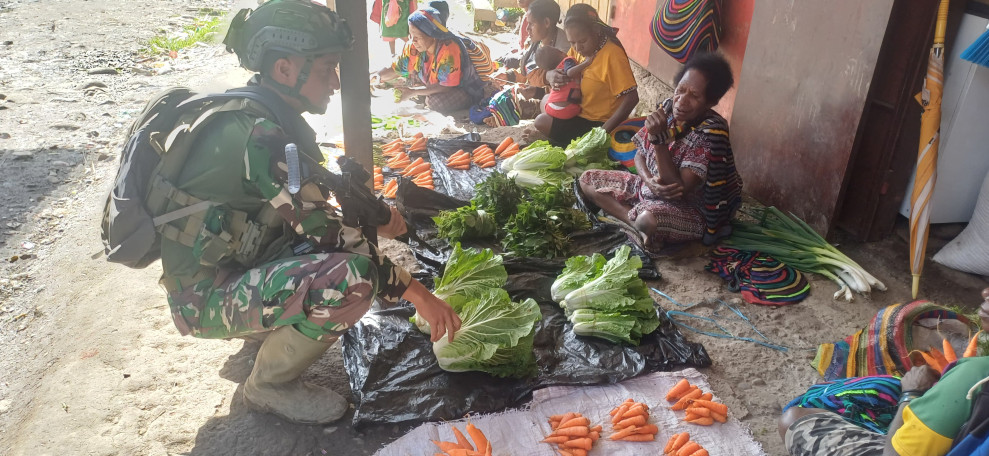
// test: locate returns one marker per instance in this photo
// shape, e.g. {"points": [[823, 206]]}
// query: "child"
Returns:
{"points": [[562, 102], [393, 17]]}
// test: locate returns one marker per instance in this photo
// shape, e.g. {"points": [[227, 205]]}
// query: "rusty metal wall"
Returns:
{"points": [[807, 71]]}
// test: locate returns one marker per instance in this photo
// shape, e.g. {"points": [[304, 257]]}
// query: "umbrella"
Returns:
{"points": [[930, 126]]}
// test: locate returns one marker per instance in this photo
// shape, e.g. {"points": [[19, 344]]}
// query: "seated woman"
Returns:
{"points": [[437, 61], [607, 86], [687, 187]]}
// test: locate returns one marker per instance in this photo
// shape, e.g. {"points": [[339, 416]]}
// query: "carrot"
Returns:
{"points": [[446, 446], [942, 361], [508, 153], [691, 416], [567, 416], [621, 411], [929, 359], [702, 421], [594, 435], [553, 424], [504, 144], [719, 417], [488, 164], [552, 417], [713, 406], [576, 421], [679, 390], [700, 452], [582, 443], [459, 163], [633, 421], [487, 446], [685, 400], [635, 410], [461, 452], [572, 431], [699, 411], [513, 149], [565, 452], [706, 396], [949, 351], [676, 442], [578, 452], [647, 429], [973, 346], [479, 148], [639, 438], [688, 448], [415, 169], [419, 135], [480, 441], [596, 428], [556, 439], [622, 433], [461, 439]]}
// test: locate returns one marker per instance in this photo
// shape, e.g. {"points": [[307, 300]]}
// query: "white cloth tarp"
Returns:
{"points": [[519, 432]]}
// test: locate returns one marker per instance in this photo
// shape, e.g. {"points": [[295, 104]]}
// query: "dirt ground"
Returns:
{"points": [[89, 360]]}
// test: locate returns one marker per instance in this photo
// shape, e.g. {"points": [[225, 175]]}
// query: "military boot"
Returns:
{"points": [[274, 385]]}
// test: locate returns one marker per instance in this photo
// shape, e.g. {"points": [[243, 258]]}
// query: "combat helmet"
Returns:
{"points": [[281, 28]]}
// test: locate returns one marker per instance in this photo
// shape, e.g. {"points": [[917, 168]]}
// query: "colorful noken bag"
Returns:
{"points": [[883, 347], [622, 148], [870, 402], [684, 28], [760, 278]]}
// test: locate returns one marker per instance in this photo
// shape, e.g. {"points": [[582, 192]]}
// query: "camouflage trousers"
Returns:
{"points": [[829, 434], [321, 295]]}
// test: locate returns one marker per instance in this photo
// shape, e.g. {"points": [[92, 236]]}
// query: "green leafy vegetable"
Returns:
{"points": [[495, 337], [579, 270], [589, 151], [467, 222], [534, 178], [469, 274], [538, 155], [609, 301], [498, 195], [542, 226]]}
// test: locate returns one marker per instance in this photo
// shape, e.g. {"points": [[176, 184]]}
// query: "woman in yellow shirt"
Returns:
{"points": [[608, 88]]}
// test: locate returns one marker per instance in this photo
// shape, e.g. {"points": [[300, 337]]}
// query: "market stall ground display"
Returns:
{"points": [[521, 432]]}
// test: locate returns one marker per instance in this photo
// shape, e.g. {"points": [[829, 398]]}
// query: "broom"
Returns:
{"points": [[978, 52]]}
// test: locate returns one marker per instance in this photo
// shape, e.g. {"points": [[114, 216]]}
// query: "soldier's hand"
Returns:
{"points": [[440, 316], [396, 226]]}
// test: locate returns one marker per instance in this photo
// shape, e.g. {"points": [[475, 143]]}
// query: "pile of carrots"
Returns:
{"points": [[390, 190], [459, 160], [631, 422], [700, 407], [940, 359], [399, 162], [379, 179], [573, 434], [681, 445], [421, 173], [484, 157], [463, 447], [507, 148]]}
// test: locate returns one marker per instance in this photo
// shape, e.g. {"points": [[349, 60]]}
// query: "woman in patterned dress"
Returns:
{"points": [[687, 187]]}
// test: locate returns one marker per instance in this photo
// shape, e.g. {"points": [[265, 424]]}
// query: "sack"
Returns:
{"points": [[969, 251], [136, 214], [394, 13]]}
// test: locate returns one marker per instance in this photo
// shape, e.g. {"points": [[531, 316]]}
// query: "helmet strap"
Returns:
{"points": [[296, 92]]}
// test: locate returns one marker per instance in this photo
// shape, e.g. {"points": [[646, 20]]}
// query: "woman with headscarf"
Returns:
{"points": [[608, 88], [436, 61]]}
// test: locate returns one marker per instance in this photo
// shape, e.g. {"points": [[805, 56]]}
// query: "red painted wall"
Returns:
{"points": [[633, 19]]}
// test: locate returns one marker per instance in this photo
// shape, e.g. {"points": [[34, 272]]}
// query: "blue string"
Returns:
{"points": [[725, 333]]}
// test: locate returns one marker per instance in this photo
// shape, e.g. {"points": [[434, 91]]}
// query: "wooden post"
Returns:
{"points": [[355, 89]]}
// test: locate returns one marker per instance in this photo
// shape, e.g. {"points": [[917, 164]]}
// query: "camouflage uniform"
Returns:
{"points": [[829, 434], [239, 162]]}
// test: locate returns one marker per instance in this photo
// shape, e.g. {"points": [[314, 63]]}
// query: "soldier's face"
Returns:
{"points": [[323, 81]]}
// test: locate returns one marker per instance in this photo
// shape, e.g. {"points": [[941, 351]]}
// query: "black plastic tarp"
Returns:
{"points": [[393, 372]]}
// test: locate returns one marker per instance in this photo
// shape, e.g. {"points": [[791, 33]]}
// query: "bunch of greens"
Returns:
{"points": [[795, 243], [606, 300], [469, 274], [393, 122], [588, 152], [538, 164], [495, 336], [467, 222], [542, 225], [498, 195]]}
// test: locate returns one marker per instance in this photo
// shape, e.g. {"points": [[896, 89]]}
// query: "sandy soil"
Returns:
{"points": [[89, 360]]}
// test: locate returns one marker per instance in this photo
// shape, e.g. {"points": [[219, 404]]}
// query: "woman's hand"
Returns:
{"points": [[406, 92], [440, 316], [984, 310], [396, 226], [672, 191], [656, 123], [556, 78]]}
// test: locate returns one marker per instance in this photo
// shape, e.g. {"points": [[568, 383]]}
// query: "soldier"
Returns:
{"points": [[238, 164]]}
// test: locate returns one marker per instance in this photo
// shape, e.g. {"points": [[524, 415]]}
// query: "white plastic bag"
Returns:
{"points": [[969, 251]]}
